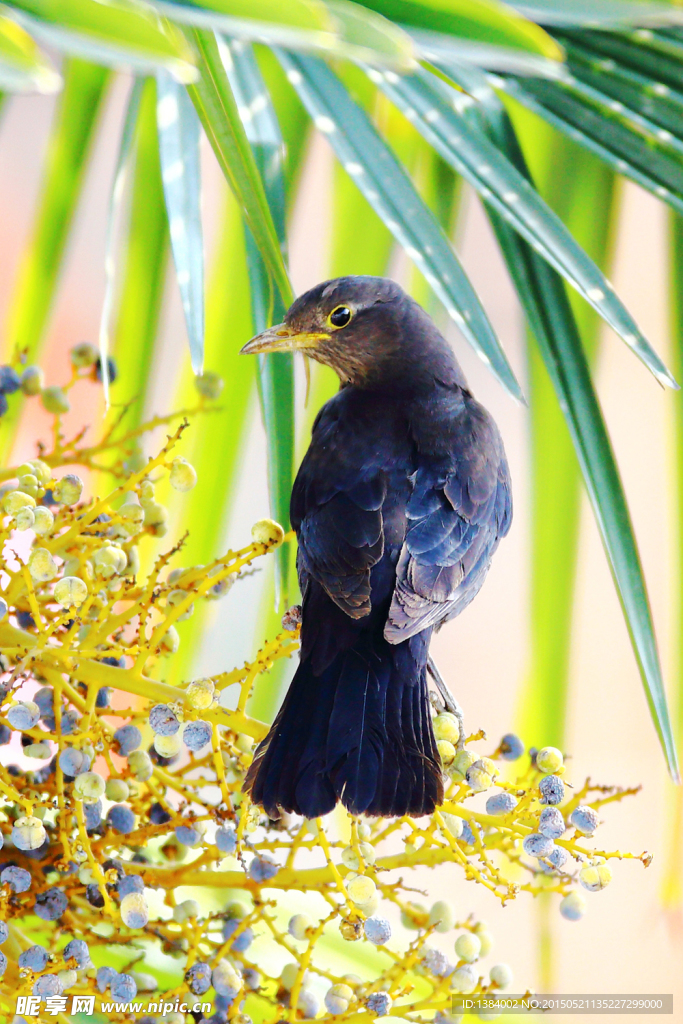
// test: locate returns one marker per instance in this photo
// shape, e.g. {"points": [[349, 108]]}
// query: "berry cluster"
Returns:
{"points": [[126, 839]]}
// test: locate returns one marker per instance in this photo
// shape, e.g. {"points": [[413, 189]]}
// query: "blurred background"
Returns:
{"points": [[631, 939]]}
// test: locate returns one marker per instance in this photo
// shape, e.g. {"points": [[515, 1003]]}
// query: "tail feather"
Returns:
{"points": [[359, 731]]}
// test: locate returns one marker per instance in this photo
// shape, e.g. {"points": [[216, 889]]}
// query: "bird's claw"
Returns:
{"points": [[292, 618], [445, 701]]}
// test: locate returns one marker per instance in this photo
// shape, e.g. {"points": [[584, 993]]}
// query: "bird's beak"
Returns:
{"points": [[282, 338]]}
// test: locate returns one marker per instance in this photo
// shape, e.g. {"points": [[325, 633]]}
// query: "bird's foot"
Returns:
{"points": [[447, 700]]}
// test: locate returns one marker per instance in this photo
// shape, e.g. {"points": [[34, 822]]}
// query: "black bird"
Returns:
{"points": [[398, 506]]}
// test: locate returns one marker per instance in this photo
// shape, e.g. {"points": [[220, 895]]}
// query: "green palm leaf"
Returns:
{"points": [[388, 189], [276, 371], [553, 324], [217, 109], [179, 130], [116, 33], [438, 113]]}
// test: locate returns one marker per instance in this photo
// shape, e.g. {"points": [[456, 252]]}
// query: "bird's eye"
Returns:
{"points": [[340, 316]]}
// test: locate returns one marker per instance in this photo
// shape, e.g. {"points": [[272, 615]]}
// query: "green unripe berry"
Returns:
{"points": [[596, 875], [117, 790], [501, 975], [453, 824], [68, 489], [442, 915], [170, 641], [24, 519], [183, 476], [268, 532], [289, 975], [299, 926], [140, 764], [464, 759], [13, 501], [350, 857], [485, 941], [414, 916], [361, 889], [549, 760], [185, 910], [208, 384], [156, 518], [446, 751], [89, 786], [43, 520], [82, 355], [28, 833], [42, 565], [32, 380], [168, 746], [338, 998], [54, 400], [70, 592], [447, 727], [478, 776], [28, 483], [109, 561], [468, 947], [199, 694]]}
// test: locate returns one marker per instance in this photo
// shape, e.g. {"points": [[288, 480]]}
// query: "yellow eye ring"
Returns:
{"points": [[339, 317]]}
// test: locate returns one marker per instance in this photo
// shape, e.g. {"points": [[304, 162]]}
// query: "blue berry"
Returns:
{"points": [[163, 720], [121, 819], [196, 735], [51, 904], [130, 883], [157, 815], [3, 964], [73, 762], [105, 976], [198, 977], [437, 963], [92, 814], [558, 857], [585, 819], [123, 988], [34, 959], [261, 869], [18, 879], [226, 839], [467, 836], [511, 747], [5, 735], [25, 620], [24, 715], [243, 941], [77, 950], [4, 404], [4, 932], [94, 896], [187, 835], [111, 369], [10, 381], [48, 985], [377, 930], [500, 803], [552, 789], [537, 845], [45, 698], [70, 721], [128, 738], [102, 698], [551, 823], [378, 1003]]}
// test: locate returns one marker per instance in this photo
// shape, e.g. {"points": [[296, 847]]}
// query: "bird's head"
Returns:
{"points": [[368, 330]]}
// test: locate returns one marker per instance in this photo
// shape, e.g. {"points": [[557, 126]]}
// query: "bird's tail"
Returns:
{"points": [[359, 732]]}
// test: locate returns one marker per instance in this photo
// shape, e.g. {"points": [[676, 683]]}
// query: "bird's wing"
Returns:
{"points": [[336, 510], [459, 509]]}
